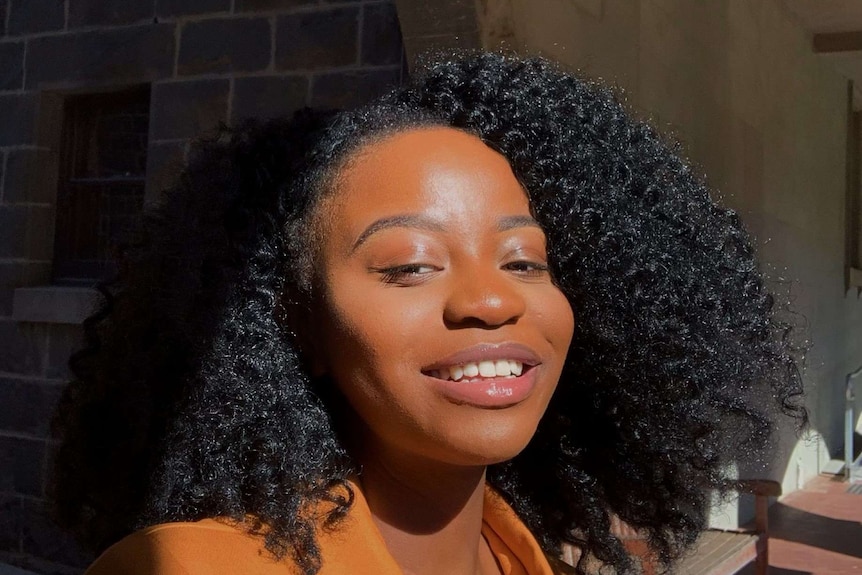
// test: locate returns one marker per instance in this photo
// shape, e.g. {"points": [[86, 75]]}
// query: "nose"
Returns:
{"points": [[485, 298]]}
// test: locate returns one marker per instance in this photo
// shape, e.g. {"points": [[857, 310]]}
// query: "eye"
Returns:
{"points": [[407, 274], [526, 268]]}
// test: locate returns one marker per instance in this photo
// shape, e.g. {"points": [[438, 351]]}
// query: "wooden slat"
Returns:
{"points": [[720, 553]]}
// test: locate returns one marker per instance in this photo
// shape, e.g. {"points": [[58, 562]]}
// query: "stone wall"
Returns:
{"points": [[206, 61]]}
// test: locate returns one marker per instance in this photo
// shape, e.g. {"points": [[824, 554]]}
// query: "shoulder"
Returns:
{"points": [[208, 546]]}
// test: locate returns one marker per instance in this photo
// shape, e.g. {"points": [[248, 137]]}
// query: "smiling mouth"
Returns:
{"points": [[481, 370]]}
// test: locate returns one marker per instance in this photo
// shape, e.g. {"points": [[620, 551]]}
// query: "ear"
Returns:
{"points": [[297, 320]]}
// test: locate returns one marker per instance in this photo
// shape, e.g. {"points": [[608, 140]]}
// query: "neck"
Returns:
{"points": [[430, 514]]}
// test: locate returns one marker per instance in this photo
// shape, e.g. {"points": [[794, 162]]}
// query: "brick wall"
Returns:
{"points": [[206, 61]]}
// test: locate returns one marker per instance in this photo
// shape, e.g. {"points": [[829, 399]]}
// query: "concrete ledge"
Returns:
{"points": [[10, 570], [54, 304]]}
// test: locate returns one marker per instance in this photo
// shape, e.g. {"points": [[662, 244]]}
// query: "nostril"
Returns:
{"points": [[485, 312]]}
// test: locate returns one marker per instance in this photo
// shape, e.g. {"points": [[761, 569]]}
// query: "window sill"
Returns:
{"points": [[54, 304]]}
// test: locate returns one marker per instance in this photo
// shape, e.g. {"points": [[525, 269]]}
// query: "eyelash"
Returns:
{"points": [[411, 274], [407, 274], [527, 268]]}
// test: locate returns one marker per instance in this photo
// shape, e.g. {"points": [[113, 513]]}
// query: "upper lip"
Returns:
{"points": [[488, 352]]}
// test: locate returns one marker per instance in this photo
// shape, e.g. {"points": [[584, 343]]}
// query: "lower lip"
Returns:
{"points": [[493, 392]]}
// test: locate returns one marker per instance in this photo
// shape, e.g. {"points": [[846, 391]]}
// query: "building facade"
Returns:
{"points": [[99, 102]]}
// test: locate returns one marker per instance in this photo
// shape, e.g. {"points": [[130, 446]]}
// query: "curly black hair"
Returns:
{"points": [[191, 399]]}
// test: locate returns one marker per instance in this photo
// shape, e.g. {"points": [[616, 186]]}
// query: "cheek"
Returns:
{"points": [[556, 315], [379, 320], [369, 360], [367, 338]]}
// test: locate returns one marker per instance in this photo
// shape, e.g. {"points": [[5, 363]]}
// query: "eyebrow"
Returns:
{"points": [[421, 222], [511, 222]]}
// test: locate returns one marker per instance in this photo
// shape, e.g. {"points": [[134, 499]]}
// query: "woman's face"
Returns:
{"points": [[438, 320]]}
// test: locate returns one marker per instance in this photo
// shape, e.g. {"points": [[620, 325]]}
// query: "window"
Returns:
{"points": [[103, 159]]}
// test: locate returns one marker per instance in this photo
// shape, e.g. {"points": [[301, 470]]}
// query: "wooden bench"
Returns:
{"points": [[716, 552]]}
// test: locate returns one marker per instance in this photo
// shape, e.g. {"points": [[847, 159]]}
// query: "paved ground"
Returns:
{"points": [[817, 530]]}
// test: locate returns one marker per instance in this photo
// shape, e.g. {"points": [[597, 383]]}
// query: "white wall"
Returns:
{"points": [[765, 119]]}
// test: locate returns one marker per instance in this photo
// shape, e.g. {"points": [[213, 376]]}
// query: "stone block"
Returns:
{"points": [[24, 348], [7, 290], [26, 232], [40, 232], [131, 55], [108, 12], [350, 89], [33, 16], [11, 65], [63, 341], [381, 35], [9, 273], [31, 176], [165, 161], [268, 5], [320, 39], [174, 8], [49, 120], [13, 231], [10, 523], [18, 274], [268, 96], [27, 406], [21, 465], [18, 118], [224, 45], [54, 304], [40, 537], [186, 109]]}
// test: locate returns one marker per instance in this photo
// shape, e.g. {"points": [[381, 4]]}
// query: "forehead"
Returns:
{"points": [[427, 165], [424, 142], [444, 179]]}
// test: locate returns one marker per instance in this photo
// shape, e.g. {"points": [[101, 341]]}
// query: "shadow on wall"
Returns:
{"points": [[790, 458]]}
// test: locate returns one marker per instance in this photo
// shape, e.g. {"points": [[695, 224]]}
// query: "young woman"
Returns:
{"points": [[481, 317]]}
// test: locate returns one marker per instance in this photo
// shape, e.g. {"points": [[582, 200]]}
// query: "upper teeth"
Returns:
{"points": [[498, 368]]}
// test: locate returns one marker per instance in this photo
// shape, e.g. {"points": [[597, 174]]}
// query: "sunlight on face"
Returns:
{"points": [[438, 320]]}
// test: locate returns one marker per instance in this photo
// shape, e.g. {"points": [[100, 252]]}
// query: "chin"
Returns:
{"points": [[488, 445]]}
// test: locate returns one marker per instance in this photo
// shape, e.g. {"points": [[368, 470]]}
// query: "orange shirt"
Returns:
{"points": [[356, 547]]}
